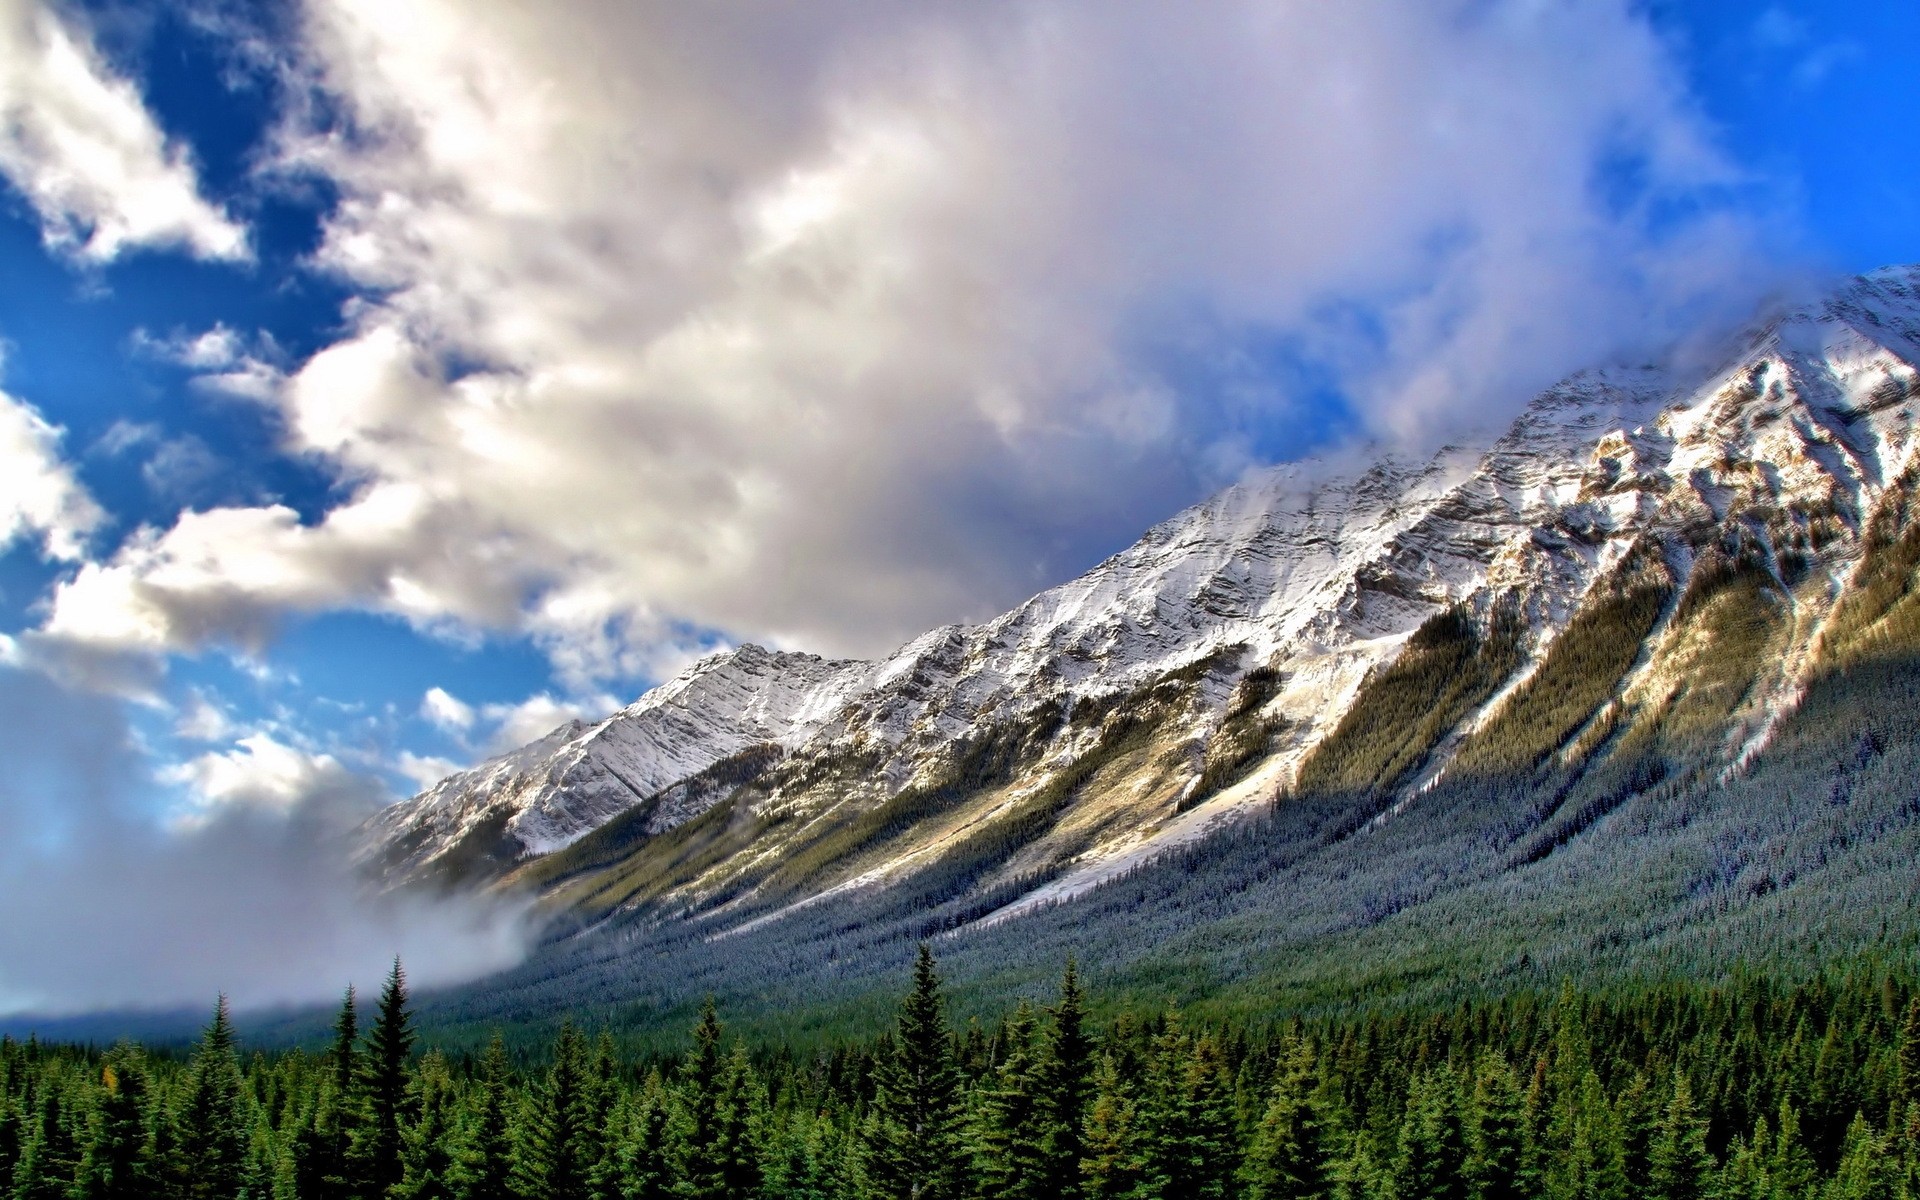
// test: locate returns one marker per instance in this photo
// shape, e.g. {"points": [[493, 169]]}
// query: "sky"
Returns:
{"points": [[383, 384]]}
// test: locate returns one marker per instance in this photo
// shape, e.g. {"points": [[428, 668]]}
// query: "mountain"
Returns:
{"points": [[1630, 587]]}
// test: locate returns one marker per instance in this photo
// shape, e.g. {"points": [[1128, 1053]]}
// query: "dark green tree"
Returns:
{"points": [[913, 1133], [1066, 1088], [213, 1127], [1290, 1155], [641, 1151], [378, 1149], [427, 1148], [115, 1165], [483, 1169], [51, 1158], [1188, 1141], [1678, 1165], [1113, 1162], [1009, 1130], [1432, 1159], [1496, 1133], [553, 1163]]}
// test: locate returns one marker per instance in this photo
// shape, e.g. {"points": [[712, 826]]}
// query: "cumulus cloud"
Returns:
{"points": [[445, 711], [80, 146], [829, 323], [224, 362], [250, 895], [39, 495], [515, 725]]}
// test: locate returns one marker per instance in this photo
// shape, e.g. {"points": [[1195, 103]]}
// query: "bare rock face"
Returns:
{"points": [[1312, 579]]}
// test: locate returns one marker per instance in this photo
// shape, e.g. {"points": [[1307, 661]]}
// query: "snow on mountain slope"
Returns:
{"points": [[1318, 579], [548, 793]]}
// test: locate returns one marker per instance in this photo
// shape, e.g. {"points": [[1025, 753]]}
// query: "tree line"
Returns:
{"points": [[1749, 1090]]}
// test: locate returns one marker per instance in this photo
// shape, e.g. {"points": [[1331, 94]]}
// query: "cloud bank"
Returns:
{"points": [[248, 893], [823, 324]]}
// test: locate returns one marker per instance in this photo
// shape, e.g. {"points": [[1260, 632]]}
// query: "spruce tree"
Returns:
{"points": [[913, 1138], [214, 1131], [12, 1138], [1432, 1159], [484, 1166], [1288, 1158], [1113, 1163], [51, 1158], [427, 1158], [552, 1163], [1496, 1133], [1868, 1169], [319, 1148], [1188, 1148], [1906, 1075], [115, 1165], [378, 1148], [1008, 1131], [600, 1100], [1678, 1165], [1065, 1088], [641, 1152], [697, 1130]]}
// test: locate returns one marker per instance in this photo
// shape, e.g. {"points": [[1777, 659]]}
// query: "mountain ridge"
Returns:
{"points": [[1201, 671]]}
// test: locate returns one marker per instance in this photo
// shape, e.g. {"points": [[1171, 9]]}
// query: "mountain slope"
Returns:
{"points": [[1626, 590]]}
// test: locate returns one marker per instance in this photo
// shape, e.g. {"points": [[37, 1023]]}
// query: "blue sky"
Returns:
{"points": [[395, 382]]}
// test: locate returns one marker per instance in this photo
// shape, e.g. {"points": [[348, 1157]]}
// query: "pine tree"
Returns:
{"points": [[427, 1144], [51, 1157], [1432, 1159], [1065, 1087], [1678, 1165], [1496, 1133], [552, 1165], [319, 1148], [913, 1138], [378, 1149], [213, 1126], [12, 1137], [737, 1148], [1187, 1118], [697, 1129], [484, 1166], [1636, 1114], [1008, 1132], [115, 1165], [600, 1100], [1868, 1168], [1906, 1076], [646, 1168], [1789, 1165], [1112, 1165], [1289, 1158]]}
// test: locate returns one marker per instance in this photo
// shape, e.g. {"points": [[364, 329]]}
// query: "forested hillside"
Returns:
{"points": [[1749, 1090]]}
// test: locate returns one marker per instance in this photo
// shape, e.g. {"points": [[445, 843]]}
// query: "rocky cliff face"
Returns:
{"points": [[1201, 669]]}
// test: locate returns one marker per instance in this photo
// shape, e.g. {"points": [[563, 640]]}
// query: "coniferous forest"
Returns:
{"points": [[1750, 1089]]}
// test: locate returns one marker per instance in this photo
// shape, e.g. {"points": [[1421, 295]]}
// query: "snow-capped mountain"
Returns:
{"points": [[1236, 635]]}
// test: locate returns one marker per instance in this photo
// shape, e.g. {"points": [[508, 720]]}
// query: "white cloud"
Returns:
{"points": [[826, 324], [38, 492], [224, 361], [424, 770], [78, 143], [203, 720], [261, 772], [446, 711], [515, 725]]}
